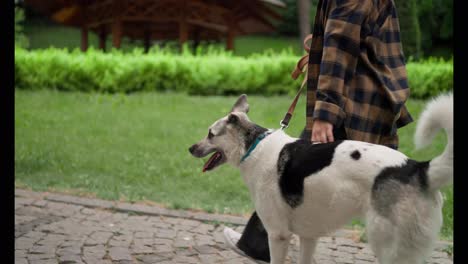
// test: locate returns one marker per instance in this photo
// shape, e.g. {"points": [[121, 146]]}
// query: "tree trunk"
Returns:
{"points": [[303, 10]]}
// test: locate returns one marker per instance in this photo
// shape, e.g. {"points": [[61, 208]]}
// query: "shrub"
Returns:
{"points": [[430, 77], [209, 72]]}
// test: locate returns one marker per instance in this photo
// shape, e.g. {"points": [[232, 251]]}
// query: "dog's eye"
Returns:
{"points": [[210, 135]]}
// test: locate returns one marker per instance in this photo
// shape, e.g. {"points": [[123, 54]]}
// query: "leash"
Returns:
{"points": [[301, 67]]}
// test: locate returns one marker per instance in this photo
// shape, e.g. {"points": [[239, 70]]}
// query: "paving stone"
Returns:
{"points": [[144, 234], [340, 260], [341, 254], [124, 262], [166, 234], [40, 203], [205, 249], [201, 240], [182, 243], [34, 256], [94, 252], [163, 248], [236, 261], [100, 237], [69, 251], [119, 253], [185, 252], [191, 223], [20, 253], [152, 258], [23, 201], [122, 241], [43, 261], [185, 259], [70, 259], [203, 229], [40, 249], [161, 225], [22, 219], [348, 249], [228, 254], [141, 249], [21, 260], [72, 243], [359, 261], [366, 257], [24, 243], [210, 258]]}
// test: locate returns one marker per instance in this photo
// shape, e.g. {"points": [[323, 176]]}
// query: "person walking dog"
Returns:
{"points": [[357, 88]]}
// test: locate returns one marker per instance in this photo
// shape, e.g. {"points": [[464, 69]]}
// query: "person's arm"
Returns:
{"points": [[341, 48]]}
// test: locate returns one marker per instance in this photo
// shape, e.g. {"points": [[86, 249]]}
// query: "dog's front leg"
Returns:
{"points": [[278, 247], [307, 249]]}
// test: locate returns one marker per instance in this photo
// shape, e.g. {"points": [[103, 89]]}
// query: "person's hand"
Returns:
{"points": [[322, 131]]}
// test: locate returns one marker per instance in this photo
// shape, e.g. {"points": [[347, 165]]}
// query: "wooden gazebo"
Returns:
{"points": [[150, 20]]}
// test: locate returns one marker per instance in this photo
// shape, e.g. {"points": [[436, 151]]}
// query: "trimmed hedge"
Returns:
{"points": [[211, 72]]}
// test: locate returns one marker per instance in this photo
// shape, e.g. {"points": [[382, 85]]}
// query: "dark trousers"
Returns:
{"points": [[254, 239]]}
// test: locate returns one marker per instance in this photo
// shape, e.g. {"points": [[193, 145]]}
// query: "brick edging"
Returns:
{"points": [[131, 207]]}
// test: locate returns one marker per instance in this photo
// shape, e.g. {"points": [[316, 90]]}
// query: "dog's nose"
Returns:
{"points": [[192, 148]]}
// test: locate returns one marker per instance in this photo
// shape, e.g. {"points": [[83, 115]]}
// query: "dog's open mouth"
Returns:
{"points": [[215, 160]]}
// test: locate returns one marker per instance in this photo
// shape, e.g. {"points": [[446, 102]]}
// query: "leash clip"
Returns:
{"points": [[283, 125]]}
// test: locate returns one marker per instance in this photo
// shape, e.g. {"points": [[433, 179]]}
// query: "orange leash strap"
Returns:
{"points": [[301, 67]]}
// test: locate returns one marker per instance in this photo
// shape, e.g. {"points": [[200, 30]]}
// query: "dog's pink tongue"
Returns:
{"points": [[211, 162]]}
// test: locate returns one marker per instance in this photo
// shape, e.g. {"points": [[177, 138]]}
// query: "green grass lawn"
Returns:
{"points": [[135, 147]]}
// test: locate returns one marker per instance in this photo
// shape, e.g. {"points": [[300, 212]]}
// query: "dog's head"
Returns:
{"points": [[227, 137]]}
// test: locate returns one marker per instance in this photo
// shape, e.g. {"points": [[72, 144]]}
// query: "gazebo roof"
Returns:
{"points": [[165, 19]]}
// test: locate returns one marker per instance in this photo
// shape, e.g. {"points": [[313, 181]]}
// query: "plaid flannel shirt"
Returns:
{"points": [[356, 72]]}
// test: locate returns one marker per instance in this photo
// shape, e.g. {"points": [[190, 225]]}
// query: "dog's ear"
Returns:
{"points": [[233, 119], [241, 105]]}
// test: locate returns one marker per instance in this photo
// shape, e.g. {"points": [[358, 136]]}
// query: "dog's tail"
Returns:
{"points": [[437, 115]]}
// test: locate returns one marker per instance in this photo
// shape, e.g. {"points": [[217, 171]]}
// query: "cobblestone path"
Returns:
{"points": [[53, 228]]}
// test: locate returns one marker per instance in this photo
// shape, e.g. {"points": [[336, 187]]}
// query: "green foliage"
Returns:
{"points": [[436, 22], [208, 72], [438, 16], [409, 27], [20, 38], [430, 77], [290, 24]]}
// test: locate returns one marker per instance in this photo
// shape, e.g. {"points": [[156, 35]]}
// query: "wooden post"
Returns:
{"points": [[84, 38], [102, 40], [196, 39], [117, 33], [147, 41], [183, 27], [230, 38], [183, 32]]}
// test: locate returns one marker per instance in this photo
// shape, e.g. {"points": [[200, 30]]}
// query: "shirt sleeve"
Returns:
{"points": [[341, 49], [404, 118]]}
